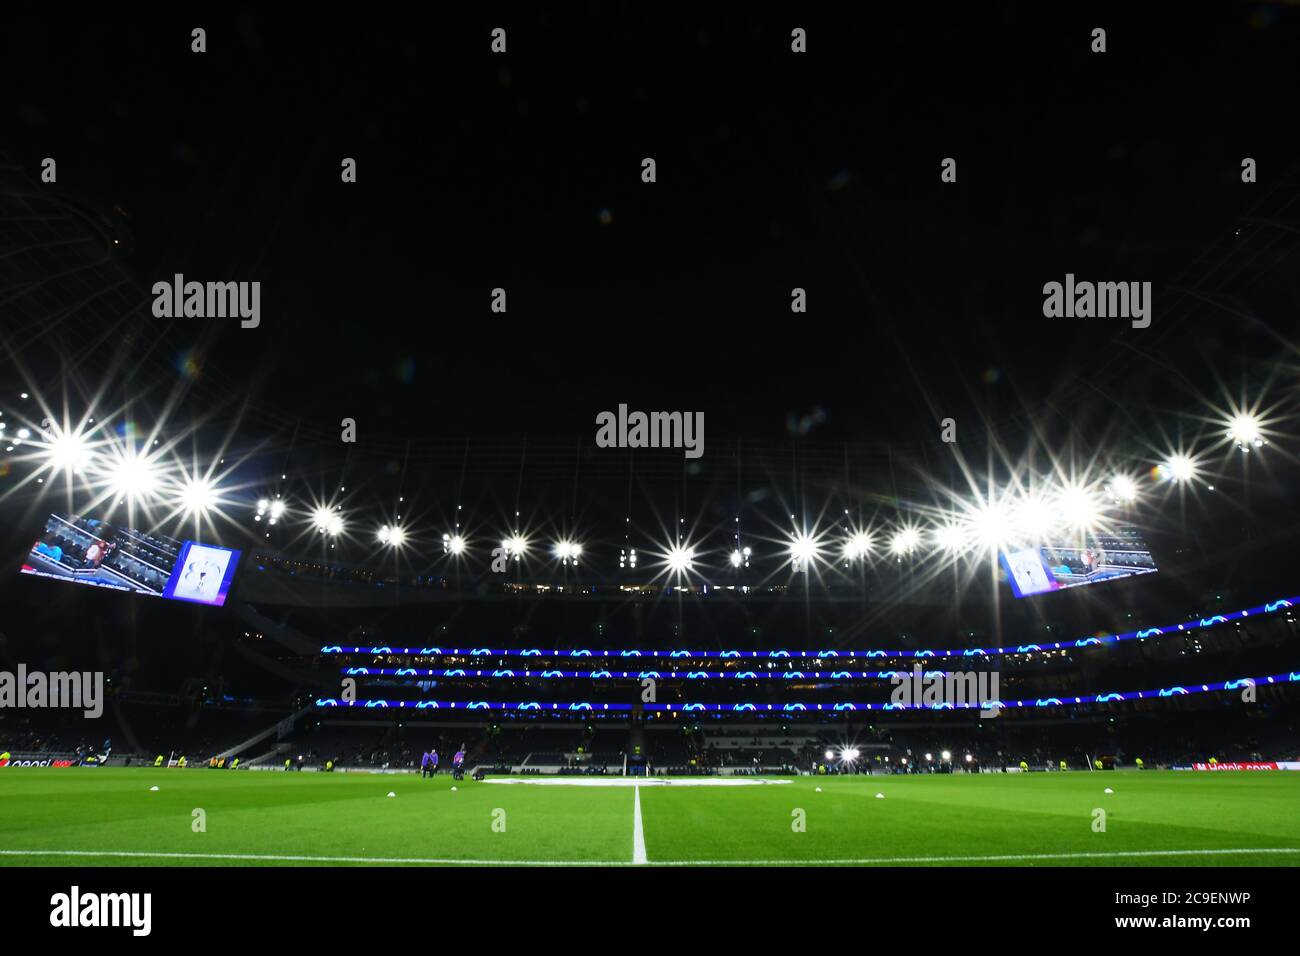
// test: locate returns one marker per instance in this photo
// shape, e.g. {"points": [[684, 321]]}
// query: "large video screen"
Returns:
{"points": [[90, 551], [1098, 557]]}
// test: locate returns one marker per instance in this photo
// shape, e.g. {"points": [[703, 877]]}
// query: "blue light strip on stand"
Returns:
{"points": [[1272, 607], [502, 672], [584, 706]]}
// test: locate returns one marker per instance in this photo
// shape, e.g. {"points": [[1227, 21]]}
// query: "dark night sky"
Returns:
{"points": [[775, 171]]}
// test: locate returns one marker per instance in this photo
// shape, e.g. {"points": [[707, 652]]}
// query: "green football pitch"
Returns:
{"points": [[196, 817]]}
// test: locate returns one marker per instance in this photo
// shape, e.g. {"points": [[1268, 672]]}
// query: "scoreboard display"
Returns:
{"points": [[88, 550]]}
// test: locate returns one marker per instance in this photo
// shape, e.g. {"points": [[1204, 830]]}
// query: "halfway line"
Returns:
{"points": [[638, 835]]}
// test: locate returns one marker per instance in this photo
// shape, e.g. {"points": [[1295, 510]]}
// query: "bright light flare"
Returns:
{"points": [[327, 521], [568, 552], [1032, 520], [804, 549], [394, 536], [1246, 432], [1078, 509], [516, 546], [1177, 468], [134, 476], [1123, 489], [198, 496], [949, 537], [67, 451], [680, 559], [905, 541], [857, 546], [990, 524]]}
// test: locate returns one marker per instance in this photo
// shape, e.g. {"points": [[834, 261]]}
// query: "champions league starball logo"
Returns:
{"points": [[202, 574], [199, 580]]}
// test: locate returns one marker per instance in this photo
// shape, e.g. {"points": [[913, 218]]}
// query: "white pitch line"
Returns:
{"points": [[638, 835], [431, 861], [287, 858], [1000, 858]]}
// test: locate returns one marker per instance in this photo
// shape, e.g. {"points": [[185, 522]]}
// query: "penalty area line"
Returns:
{"points": [[642, 861]]}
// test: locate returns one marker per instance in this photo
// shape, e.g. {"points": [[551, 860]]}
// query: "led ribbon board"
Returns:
{"points": [[88, 550], [788, 708], [627, 675], [1170, 630]]}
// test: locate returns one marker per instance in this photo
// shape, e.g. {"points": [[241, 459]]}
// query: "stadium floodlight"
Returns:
{"points": [[857, 546], [905, 541], [680, 559], [516, 546], [990, 524], [394, 536], [67, 451], [804, 549], [830, 755], [969, 758], [198, 496], [1123, 489], [929, 758], [1031, 520], [568, 551], [946, 756], [134, 476], [1246, 432], [454, 543], [737, 559], [327, 521], [949, 537], [276, 509], [1077, 508], [1178, 468]]}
